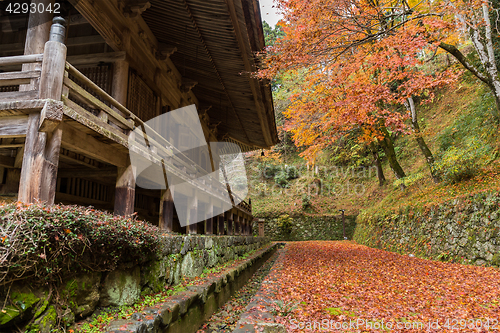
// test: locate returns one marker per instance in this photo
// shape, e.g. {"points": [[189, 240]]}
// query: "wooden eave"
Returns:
{"points": [[216, 43]]}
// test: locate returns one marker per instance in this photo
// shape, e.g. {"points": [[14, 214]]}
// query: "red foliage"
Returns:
{"points": [[342, 281]]}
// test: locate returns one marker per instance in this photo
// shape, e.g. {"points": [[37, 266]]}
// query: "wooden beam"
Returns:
{"points": [[18, 95], [73, 199], [16, 78], [7, 161], [75, 158], [220, 227], [8, 143], [12, 23], [134, 37], [74, 41], [192, 227], [165, 51], [11, 127], [50, 116], [96, 58], [82, 143], [87, 173], [18, 162]]}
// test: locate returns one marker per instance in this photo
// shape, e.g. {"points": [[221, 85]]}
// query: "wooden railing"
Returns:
{"points": [[123, 121], [118, 120], [15, 78]]}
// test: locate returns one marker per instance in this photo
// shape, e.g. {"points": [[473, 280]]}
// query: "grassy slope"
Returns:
{"points": [[458, 113]]}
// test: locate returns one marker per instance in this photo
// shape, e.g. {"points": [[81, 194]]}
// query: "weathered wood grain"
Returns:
{"points": [[16, 78], [11, 127], [85, 144]]}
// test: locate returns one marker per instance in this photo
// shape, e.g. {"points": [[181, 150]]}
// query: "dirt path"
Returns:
{"points": [[345, 287]]}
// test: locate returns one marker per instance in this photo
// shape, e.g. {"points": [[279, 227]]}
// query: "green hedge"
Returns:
{"points": [[42, 243]]}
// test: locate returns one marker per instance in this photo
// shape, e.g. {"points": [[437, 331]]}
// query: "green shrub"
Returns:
{"points": [[461, 163], [291, 172], [269, 170], [281, 178], [306, 202], [42, 243]]}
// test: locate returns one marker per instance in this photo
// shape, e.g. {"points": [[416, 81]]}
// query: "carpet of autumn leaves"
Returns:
{"points": [[343, 281]]}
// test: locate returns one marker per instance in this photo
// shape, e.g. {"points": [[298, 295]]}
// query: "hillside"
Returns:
{"points": [[458, 127]]}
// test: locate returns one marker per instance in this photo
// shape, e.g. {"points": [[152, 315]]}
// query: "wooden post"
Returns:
{"points": [[250, 228], [41, 150], [220, 219], [192, 228], [125, 191], [245, 226], [120, 82], [209, 223], [200, 228], [167, 211], [125, 184], [229, 222], [237, 225], [37, 35]]}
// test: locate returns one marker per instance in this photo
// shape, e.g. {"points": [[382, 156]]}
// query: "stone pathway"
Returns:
{"points": [[224, 321]]}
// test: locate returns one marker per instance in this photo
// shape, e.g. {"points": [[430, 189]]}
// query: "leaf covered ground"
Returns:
{"points": [[368, 290]]}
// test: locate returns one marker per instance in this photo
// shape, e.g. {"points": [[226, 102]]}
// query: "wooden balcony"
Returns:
{"points": [[74, 115]]}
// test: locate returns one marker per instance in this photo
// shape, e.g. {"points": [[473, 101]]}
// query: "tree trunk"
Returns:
{"points": [[378, 164], [388, 147], [410, 105], [479, 28]]}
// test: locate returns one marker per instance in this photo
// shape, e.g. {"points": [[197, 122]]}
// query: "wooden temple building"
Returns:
{"points": [[73, 89]]}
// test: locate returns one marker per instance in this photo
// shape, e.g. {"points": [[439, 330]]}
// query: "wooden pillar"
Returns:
{"points": [[250, 228], [244, 226], [209, 223], [201, 228], [220, 224], [229, 223], [125, 183], [41, 151], [37, 35], [167, 211], [120, 82], [125, 191], [209, 226], [192, 228], [237, 225]]}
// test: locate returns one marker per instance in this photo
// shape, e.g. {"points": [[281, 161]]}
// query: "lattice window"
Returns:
{"points": [[102, 75], [141, 98]]}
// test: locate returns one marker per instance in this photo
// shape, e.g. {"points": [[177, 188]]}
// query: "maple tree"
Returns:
{"points": [[360, 73]]}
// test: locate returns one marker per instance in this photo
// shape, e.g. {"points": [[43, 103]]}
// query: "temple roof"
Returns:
{"points": [[215, 43]]}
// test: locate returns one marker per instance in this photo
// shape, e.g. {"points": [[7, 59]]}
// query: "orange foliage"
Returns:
{"points": [[357, 77]]}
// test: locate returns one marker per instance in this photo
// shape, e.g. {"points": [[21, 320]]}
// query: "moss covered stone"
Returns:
{"points": [[45, 323], [121, 287], [23, 303], [82, 293]]}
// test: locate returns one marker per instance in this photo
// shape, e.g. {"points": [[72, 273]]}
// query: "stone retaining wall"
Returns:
{"points": [[465, 230], [179, 257], [300, 227], [188, 310]]}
